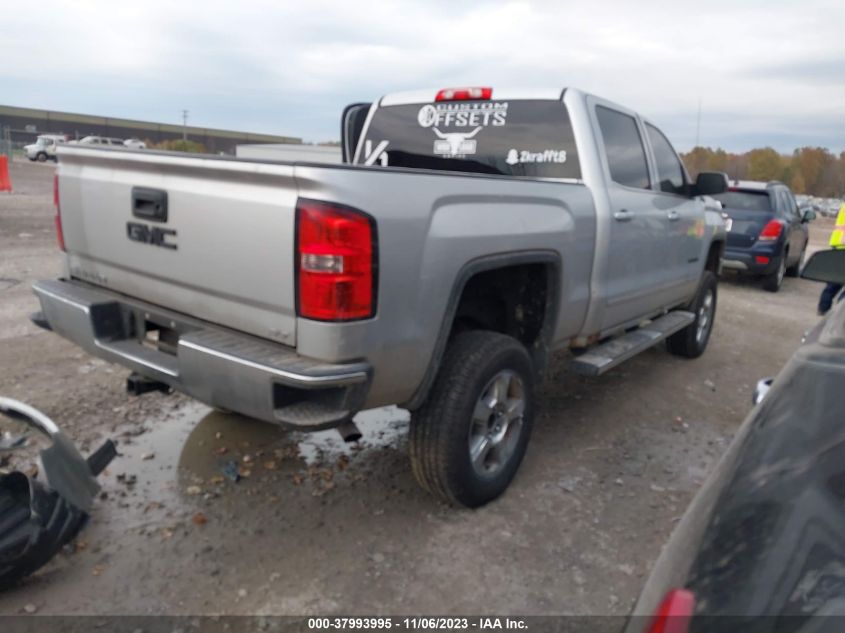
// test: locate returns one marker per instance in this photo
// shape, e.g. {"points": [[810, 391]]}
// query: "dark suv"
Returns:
{"points": [[767, 233]]}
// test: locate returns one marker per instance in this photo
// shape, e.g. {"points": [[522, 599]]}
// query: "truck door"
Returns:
{"points": [[686, 238], [636, 273]]}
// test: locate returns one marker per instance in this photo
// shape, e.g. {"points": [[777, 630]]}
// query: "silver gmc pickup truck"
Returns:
{"points": [[467, 235]]}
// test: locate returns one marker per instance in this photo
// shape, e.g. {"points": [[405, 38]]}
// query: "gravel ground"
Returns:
{"points": [[315, 527]]}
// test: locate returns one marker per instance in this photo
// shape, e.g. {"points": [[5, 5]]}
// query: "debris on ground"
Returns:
{"points": [[199, 519], [41, 517], [129, 480], [230, 471], [569, 483]]}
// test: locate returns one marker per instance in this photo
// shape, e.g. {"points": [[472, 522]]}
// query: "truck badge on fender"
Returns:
{"points": [[154, 235]]}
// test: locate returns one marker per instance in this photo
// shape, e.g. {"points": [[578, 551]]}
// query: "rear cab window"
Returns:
{"points": [[746, 200], [623, 148], [523, 138]]}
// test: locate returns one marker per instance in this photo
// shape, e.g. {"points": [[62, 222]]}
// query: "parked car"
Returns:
{"points": [[764, 534], [44, 147], [100, 140], [134, 143], [468, 238], [767, 233]]}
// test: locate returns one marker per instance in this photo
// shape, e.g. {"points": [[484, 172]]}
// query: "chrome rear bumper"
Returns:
{"points": [[215, 365]]}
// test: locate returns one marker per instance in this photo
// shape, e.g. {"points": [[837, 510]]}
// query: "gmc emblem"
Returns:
{"points": [[154, 235]]}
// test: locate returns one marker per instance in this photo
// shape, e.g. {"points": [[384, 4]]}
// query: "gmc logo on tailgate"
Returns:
{"points": [[154, 235]]}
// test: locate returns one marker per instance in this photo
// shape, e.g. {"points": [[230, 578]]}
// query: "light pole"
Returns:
{"points": [[184, 125]]}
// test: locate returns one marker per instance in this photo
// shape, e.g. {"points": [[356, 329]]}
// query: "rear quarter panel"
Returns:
{"points": [[431, 225]]}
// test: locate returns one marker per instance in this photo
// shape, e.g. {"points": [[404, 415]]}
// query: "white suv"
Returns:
{"points": [[101, 140]]}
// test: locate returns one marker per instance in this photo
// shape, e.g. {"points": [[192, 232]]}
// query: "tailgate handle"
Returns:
{"points": [[149, 204]]}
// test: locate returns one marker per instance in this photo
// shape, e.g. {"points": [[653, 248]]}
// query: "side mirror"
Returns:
{"points": [[710, 183], [826, 266], [808, 216]]}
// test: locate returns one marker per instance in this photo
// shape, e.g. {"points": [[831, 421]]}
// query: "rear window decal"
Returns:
{"points": [[466, 114], [378, 154], [516, 156], [455, 144]]}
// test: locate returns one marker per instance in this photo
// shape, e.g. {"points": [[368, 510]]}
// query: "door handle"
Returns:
{"points": [[673, 216], [623, 215], [149, 204]]}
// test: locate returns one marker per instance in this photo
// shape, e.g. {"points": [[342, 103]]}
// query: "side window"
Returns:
{"points": [[670, 173], [782, 208], [791, 204], [774, 200], [623, 148]]}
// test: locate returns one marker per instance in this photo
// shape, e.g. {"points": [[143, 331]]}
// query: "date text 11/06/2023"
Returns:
{"points": [[416, 624]]}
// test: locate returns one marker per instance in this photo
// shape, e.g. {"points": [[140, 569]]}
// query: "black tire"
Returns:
{"points": [[41, 157], [795, 269], [35, 523], [692, 340], [774, 281], [443, 429]]}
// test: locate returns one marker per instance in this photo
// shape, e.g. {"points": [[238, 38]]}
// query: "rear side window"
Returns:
{"points": [[792, 205], [745, 200], [531, 138], [623, 148], [670, 173]]}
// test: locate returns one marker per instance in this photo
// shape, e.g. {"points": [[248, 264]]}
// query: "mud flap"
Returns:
{"points": [[37, 519]]}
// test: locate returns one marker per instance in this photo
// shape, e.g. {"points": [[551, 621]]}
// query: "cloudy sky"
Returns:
{"points": [[765, 73]]}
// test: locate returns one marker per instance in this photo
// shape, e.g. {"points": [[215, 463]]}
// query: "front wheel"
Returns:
{"points": [[468, 439], [42, 157], [692, 340]]}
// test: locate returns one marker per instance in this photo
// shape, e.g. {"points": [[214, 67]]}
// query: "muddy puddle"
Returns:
{"points": [[198, 455]]}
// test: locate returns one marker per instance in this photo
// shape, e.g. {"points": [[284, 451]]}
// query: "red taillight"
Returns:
{"points": [[463, 94], [336, 260], [674, 613], [60, 236], [771, 231]]}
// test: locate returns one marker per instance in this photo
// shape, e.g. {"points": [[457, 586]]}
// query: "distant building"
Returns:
{"points": [[27, 123]]}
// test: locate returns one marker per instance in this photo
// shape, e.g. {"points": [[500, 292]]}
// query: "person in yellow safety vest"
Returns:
{"points": [[837, 240]]}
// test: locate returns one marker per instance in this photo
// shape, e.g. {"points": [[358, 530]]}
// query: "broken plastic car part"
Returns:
{"points": [[37, 519]]}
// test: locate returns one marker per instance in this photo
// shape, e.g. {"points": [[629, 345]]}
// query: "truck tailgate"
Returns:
{"points": [[223, 253]]}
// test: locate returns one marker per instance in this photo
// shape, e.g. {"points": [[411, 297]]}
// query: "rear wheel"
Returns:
{"points": [[468, 439], [774, 281], [692, 340]]}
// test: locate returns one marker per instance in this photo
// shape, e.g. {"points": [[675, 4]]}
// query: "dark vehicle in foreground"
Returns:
{"points": [[765, 535], [767, 232]]}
